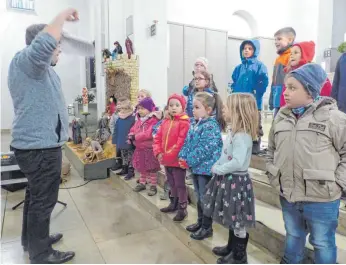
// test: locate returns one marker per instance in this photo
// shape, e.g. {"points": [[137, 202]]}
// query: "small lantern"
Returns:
{"points": [[70, 109]]}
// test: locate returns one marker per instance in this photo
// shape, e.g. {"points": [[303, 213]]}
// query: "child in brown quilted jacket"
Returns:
{"points": [[307, 165]]}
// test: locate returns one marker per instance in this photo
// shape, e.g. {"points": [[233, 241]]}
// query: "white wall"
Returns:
{"points": [[152, 51], [71, 69], [218, 13], [270, 15]]}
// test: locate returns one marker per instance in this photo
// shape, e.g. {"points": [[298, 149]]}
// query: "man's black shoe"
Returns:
{"points": [[52, 240], [56, 257]]}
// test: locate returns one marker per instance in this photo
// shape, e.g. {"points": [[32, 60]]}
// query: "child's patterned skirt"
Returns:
{"points": [[230, 201], [144, 160]]}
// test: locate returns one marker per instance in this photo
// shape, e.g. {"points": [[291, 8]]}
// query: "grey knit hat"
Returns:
{"points": [[312, 77], [32, 31]]}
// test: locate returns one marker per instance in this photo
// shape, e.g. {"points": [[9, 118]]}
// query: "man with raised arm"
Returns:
{"points": [[39, 129]]}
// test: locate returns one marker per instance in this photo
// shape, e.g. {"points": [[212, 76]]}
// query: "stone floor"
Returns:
{"points": [[99, 224]]}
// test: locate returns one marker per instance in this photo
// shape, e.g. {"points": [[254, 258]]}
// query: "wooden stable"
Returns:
{"points": [[90, 171]]}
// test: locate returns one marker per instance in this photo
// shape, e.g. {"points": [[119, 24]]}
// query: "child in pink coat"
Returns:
{"points": [[140, 135]]}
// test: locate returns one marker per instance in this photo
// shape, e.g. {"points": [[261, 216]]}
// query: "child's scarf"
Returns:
{"points": [[301, 110]]}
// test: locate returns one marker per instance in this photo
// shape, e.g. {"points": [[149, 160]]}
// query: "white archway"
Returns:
{"points": [[243, 24]]}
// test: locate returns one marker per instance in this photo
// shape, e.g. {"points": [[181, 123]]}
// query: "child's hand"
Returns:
{"points": [[159, 157], [183, 164]]}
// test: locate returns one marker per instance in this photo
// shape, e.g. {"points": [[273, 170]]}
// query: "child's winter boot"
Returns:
{"points": [[130, 173], [182, 213], [225, 250], [172, 207], [238, 254]]}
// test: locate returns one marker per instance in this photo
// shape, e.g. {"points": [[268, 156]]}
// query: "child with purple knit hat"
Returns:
{"points": [[141, 136]]}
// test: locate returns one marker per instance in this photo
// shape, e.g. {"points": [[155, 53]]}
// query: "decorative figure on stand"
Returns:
{"points": [[85, 100], [112, 106], [117, 50], [93, 152], [129, 48], [76, 131], [106, 54], [103, 132], [86, 144]]}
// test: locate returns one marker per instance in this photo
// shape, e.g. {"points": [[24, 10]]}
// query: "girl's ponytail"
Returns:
{"points": [[218, 109], [213, 101]]}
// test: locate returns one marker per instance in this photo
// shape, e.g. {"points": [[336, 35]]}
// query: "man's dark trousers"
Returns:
{"points": [[42, 168]]}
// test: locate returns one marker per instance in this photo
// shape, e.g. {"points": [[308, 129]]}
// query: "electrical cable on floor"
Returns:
{"points": [[76, 186]]}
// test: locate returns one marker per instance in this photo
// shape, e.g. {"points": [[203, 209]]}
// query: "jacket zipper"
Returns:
{"points": [[169, 130]]}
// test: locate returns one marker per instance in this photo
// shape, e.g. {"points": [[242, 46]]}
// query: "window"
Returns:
{"points": [[25, 5]]}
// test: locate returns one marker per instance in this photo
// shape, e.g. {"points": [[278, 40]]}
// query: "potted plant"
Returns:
{"points": [[342, 47]]}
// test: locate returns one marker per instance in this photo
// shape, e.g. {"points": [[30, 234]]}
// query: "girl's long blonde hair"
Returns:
{"points": [[243, 114]]}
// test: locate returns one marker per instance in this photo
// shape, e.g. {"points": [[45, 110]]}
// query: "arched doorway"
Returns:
{"points": [[243, 24]]}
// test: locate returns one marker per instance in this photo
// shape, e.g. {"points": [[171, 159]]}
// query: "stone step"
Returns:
{"points": [[270, 230], [265, 193], [258, 162], [203, 249]]}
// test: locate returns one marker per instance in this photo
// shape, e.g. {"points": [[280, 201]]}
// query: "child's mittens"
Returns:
{"points": [[183, 164]]}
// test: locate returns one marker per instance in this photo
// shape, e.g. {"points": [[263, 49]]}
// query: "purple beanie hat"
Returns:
{"points": [[148, 104]]}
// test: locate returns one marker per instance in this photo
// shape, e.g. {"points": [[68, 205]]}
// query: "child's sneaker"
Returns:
{"points": [[152, 191], [164, 196], [140, 187]]}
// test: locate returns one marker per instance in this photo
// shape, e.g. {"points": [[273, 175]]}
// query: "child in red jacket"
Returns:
{"points": [[144, 160], [303, 53], [167, 144]]}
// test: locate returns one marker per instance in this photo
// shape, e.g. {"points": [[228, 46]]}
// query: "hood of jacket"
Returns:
{"points": [[255, 44], [307, 49]]}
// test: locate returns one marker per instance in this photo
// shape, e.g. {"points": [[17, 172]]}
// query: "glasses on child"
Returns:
{"points": [[199, 79]]}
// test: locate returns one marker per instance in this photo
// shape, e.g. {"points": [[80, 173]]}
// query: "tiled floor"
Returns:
{"points": [[99, 224]]}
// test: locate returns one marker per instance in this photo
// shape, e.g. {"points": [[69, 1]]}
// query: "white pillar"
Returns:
{"points": [[325, 28], [99, 45]]}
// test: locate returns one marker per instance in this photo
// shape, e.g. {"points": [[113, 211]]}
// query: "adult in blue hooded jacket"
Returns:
{"points": [[339, 83], [251, 76]]}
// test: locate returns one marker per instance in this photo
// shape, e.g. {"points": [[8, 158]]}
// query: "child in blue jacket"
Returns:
{"points": [[201, 149], [251, 76]]}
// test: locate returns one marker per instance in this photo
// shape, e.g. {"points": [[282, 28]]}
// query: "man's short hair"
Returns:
{"points": [[286, 31], [32, 31]]}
